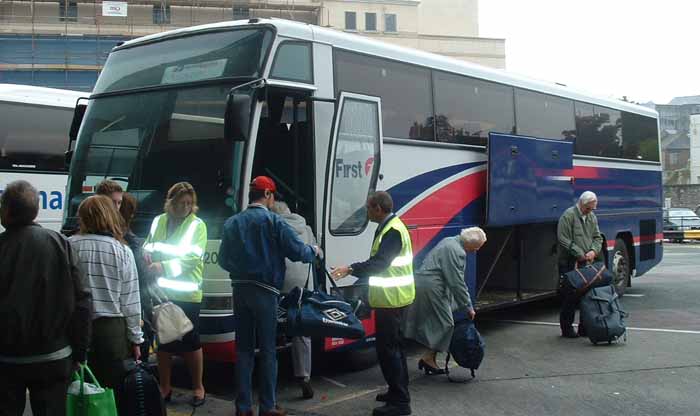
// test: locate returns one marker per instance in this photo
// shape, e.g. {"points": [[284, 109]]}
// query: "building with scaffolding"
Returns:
{"points": [[64, 43]]}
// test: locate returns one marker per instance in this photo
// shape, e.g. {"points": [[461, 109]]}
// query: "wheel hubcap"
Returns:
{"points": [[619, 268]]}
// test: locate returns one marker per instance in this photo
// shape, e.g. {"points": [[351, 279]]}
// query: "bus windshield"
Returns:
{"points": [[191, 58], [150, 140]]}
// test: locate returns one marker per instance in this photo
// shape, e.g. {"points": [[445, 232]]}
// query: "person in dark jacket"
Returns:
{"points": [[45, 308], [127, 209], [253, 249]]}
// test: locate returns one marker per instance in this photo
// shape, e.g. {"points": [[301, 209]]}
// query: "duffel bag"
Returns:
{"points": [[140, 393], [589, 276], [466, 347], [317, 314], [602, 315]]}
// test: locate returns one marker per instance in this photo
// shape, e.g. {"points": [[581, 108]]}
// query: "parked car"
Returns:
{"points": [[681, 224]]}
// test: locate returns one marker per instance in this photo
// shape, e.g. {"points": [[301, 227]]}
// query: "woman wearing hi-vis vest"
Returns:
{"points": [[174, 250]]}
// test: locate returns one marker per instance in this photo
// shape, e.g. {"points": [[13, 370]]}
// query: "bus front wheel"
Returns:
{"points": [[621, 266]]}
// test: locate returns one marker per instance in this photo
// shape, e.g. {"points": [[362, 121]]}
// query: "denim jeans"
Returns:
{"points": [[255, 309]]}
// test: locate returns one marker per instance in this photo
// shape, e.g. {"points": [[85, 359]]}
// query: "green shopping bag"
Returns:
{"points": [[89, 399]]}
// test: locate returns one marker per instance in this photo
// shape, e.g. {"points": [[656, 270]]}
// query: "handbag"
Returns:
{"points": [[581, 279], [89, 399], [318, 314], [170, 322]]}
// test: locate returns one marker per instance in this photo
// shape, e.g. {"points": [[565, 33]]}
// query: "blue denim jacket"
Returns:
{"points": [[254, 246]]}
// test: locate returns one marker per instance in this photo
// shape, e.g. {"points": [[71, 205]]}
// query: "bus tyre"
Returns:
{"points": [[621, 266]]}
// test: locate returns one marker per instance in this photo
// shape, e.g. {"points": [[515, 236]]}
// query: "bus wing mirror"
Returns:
{"points": [[237, 117], [78, 115]]}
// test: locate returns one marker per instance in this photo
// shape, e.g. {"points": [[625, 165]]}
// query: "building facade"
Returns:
{"points": [[64, 43], [676, 141]]}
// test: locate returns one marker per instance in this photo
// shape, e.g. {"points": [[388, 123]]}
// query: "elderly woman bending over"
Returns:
{"points": [[440, 285]]}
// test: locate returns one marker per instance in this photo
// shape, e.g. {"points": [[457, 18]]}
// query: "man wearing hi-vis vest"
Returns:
{"points": [[389, 272]]}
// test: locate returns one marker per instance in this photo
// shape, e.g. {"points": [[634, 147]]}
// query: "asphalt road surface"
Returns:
{"points": [[528, 369]]}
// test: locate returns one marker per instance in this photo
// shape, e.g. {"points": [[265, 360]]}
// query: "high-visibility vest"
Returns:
{"points": [[394, 287], [181, 256]]}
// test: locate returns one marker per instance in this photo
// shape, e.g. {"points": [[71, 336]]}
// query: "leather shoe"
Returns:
{"points": [[569, 333], [392, 409], [307, 392], [277, 411], [382, 397]]}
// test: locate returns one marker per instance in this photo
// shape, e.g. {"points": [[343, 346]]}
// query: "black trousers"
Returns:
{"points": [[391, 354], [47, 384], [570, 299]]}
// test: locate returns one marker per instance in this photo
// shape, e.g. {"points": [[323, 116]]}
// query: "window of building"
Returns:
{"points": [[673, 159], [544, 116], [293, 62], [241, 13], [350, 21], [371, 22], [68, 10], [161, 14], [407, 113], [467, 109], [390, 23]]}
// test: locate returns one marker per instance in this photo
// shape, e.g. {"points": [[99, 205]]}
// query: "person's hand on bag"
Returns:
{"points": [[156, 269], [338, 273], [136, 351], [590, 256]]}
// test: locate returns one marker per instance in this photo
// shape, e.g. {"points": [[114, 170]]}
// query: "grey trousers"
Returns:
{"points": [[301, 356]]}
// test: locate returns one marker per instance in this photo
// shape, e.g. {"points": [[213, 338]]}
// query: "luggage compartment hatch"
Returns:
{"points": [[530, 180]]}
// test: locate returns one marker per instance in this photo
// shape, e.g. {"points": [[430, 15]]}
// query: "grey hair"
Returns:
{"points": [[472, 236], [587, 197], [281, 208]]}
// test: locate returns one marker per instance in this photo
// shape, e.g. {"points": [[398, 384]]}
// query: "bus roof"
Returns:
{"points": [[29, 94], [369, 46]]}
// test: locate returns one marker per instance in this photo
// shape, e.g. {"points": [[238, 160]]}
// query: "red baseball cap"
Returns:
{"points": [[263, 183]]}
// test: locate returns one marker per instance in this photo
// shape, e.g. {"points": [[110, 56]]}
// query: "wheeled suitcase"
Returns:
{"points": [[602, 315]]}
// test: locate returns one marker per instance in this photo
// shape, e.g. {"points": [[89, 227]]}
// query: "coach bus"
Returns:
{"points": [[34, 123], [332, 116]]}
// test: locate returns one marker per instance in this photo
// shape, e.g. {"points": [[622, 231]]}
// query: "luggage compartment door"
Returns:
{"points": [[530, 180]]}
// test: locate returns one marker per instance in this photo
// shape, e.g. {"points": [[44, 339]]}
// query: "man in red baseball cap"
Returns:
{"points": [[254, 245]]}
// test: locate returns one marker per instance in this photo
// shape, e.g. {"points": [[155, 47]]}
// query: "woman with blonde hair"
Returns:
{"points": [[174, 250], [112, 279], [440, 286]]}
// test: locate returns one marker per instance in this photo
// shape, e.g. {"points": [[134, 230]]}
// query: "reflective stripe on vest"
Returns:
{"points": [[393, 288], [173, 267]]}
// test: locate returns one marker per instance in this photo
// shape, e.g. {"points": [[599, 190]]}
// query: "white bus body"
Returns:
{"points": [[332, 116], [34, 125]]}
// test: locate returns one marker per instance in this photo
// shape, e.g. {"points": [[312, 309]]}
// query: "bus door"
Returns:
{"points": [[353, 170], [284, 148]]}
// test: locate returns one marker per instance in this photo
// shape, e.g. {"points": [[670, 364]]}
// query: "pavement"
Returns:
{"points": [[528, 368]]}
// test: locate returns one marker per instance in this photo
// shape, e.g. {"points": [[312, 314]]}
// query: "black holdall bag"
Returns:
{"points": [[139, 391], [318, 314], [581, 279], [602, 315], [466, 347]]}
